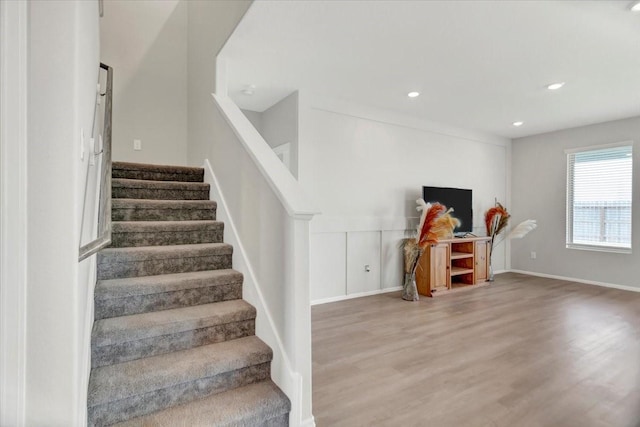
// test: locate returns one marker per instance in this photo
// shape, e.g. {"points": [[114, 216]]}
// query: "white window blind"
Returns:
{"points": [[599, 184]]}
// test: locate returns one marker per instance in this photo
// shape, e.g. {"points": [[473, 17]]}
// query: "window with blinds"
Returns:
{"points": [[599, 183]]}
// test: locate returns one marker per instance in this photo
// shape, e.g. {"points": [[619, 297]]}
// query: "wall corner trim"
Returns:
{"points": [[13, 210]]}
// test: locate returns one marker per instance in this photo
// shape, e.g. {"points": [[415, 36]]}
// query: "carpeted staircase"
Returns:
{"points": [[173, 342]]}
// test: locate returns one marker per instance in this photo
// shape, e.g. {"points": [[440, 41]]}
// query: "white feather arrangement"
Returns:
{"points": [[523, 229]]}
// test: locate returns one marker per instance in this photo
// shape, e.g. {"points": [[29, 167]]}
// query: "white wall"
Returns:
{"points": [[63, 58], [146, 44], [13, 209], [280, 126], [365, 168], [210, 23], [255, 117], [538, 192]]}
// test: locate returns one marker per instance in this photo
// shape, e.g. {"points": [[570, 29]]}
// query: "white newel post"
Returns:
{"points": [[299, 310]]}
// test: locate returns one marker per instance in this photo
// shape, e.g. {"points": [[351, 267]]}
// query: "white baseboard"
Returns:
{"points": [[577, 280], [358, 295], [309, 422]]}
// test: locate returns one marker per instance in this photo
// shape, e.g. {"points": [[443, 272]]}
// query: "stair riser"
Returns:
{"points": [[158, 176], [280, 421], [159, 193], [108, 269], [133, 214], [137, 349], [135, 406], [136, 239], [113, 307]]}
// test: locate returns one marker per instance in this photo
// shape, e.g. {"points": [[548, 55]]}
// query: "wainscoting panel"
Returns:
{"points": [[391, 259], [341, 247], [327, 265], [363, 261]]}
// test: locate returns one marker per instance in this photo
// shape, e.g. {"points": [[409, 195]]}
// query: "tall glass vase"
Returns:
{"points": [[409, 289], [490, 276]]}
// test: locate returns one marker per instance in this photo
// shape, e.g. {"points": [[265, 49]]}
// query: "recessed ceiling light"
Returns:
{"points": [[516, 124], [413, 94], [555, 86], [635, 7]]}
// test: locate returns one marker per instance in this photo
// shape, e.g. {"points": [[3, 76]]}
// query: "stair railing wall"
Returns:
{"points": [[99, 231], [267, 216]]}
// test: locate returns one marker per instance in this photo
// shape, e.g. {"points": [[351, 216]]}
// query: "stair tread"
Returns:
{"points": [[122, 329], [146, 285], [162, 185], [248, 405], [160, 226], [123, 380], [189, 170], [132, 254], [164, 204]]}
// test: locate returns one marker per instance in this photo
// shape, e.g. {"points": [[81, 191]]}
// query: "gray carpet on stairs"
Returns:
{"points": [[173, 342], [156, 172], [121, 297], [162, 210], [148, 233], [159, 190]]}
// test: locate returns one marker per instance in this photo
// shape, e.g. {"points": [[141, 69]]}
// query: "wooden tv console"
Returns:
{"points": [[453, 264]]}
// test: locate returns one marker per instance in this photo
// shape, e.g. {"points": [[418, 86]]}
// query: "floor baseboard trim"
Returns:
{"points": [[575, 279], [309, 422], [358, 295]]}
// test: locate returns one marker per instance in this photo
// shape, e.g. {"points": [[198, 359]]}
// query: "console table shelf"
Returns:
{"points": [[459, 255], [453, 264], [456, 271]]}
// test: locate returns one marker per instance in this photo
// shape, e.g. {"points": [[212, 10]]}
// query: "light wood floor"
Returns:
{"points": [[525, 351]]}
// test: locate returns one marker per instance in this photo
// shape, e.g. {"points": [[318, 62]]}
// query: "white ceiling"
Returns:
{"points": [[479, 65]]}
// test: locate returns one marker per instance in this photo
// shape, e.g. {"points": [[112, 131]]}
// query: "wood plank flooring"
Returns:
{"points": [[525, 351]]}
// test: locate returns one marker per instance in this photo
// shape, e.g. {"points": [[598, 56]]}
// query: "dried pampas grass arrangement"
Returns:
{"points": [[436, 222], [523, 229], [412, 252], [496, 220]]}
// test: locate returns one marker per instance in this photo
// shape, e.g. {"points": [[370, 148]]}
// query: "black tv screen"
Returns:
{"points": [[457, 198]]}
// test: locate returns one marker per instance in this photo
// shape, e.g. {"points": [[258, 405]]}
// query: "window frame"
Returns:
{"points": [[570, 201]]}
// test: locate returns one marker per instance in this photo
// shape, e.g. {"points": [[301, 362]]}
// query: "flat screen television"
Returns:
{"points": [[457, 198]]}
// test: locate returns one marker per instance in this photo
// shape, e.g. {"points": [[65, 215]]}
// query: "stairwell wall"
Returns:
{"points": [[63, 52], [209, 26], [145, 42], [13, 209]]}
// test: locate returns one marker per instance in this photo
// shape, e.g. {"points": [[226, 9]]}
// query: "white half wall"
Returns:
{"points": [[539, 192], [365, 168], [145, 42]]}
